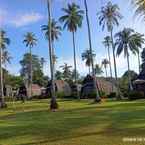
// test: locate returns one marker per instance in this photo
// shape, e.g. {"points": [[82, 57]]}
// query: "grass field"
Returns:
{"points": [[75, 123]]}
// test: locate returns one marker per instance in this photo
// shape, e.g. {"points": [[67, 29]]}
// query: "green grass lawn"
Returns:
{"points": [[75, 123]]}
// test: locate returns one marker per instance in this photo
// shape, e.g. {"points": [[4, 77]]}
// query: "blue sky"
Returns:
{"points": [[20, 16]]}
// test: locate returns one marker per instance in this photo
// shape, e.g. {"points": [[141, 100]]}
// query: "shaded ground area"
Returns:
{"points": [[75, 123]]}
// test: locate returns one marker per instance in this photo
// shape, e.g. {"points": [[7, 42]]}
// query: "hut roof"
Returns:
{"points": [[140, 79]]}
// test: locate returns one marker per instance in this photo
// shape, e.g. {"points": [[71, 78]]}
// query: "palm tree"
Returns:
{"points": [[4, 41], [98, 69], [86, 56], [107, 42], [55, 33], [30, 41], [53, 102], [140, 7], [105, 64], [109, 16], [66, 71], [72, 20], [6, 58], [97, 99], [127, 40]]}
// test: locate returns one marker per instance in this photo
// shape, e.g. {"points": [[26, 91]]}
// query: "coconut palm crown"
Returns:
{"points": [[109, 16], [73, 17], [30, 39], [55, 30]]}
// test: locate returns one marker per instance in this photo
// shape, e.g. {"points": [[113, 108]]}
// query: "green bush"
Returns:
{"points": [[92, 95], [125, 94], [134, 95], [60, 94], [102, 94], [112, 95]]}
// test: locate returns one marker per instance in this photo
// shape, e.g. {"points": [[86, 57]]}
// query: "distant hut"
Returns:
{"points": [[103, 86], [36, 90], [62, 88], [139, 83]]}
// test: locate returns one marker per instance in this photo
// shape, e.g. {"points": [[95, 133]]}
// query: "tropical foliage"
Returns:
{"points": [[87, 56], [127, 40]]}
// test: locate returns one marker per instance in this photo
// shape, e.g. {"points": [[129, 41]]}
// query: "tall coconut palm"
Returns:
{"points": [[109, 17], [107, 43], [6, 58], [53, 103], [140, 40], [86, 56], [97, 99], [55, 33], [4, 41], [30, 41], [140, 7], [127, 40], [72, 21], [105, 64]]}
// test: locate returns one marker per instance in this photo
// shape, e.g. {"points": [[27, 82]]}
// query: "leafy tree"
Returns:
{"points": [[30, 41], [38, 76], [72, 20], [58, 75], [67, 73], [127, 40], [73, 75], [86, 56], [14, 81], [4, 41], [124, 83]]}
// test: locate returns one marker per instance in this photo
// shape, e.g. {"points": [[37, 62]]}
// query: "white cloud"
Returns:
{"points": [[26, 19]]}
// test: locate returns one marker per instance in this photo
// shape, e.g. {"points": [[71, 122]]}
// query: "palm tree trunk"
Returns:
{"points": [[97, 99], [115, 68], [74, 51], [53, 103], [129, 75], [31, 73], [75, 65], [110, 66], [139, 68], [2, 100], [106, 72], [53, 56], [89, 70]]}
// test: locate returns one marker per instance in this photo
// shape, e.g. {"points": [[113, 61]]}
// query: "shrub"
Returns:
{"points": [[112, 95], [125, 94], [92, 95], [102, 94], [134, 95], [60, 94]]}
